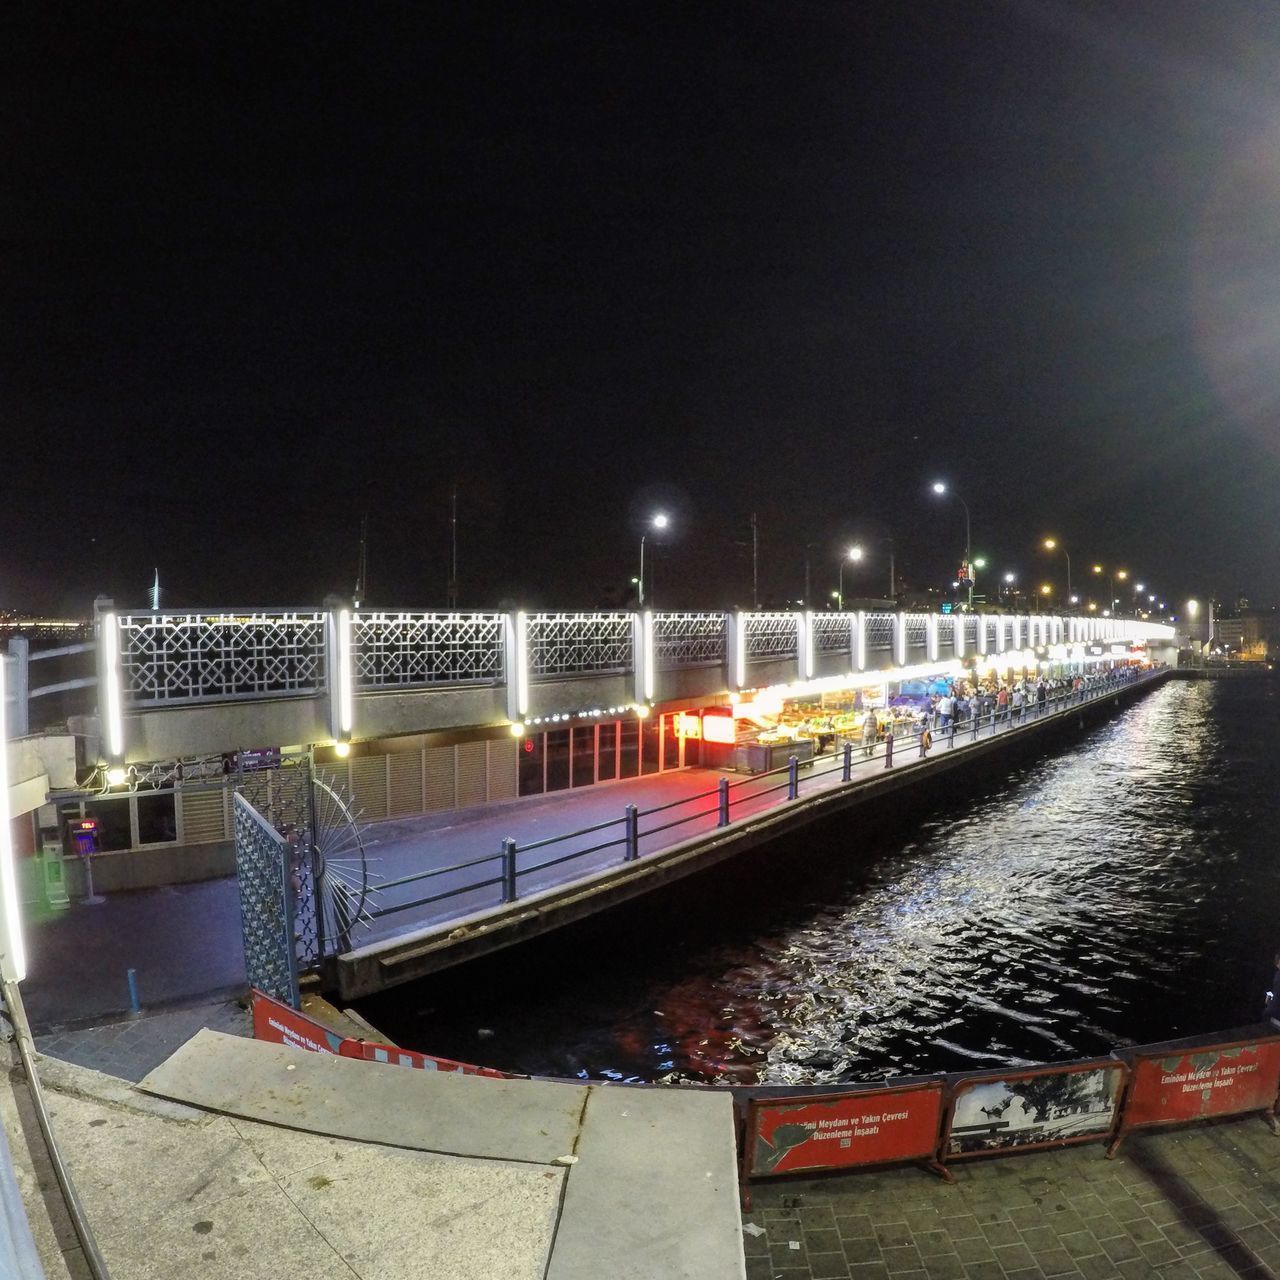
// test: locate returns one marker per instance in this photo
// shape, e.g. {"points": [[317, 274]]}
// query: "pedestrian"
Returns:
{"points": [[869, 729], [1002, 702], [946, 710], [1016, 701], [1272, 1007], [1042, 695]]}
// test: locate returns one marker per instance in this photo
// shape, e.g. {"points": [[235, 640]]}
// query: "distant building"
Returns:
{"points": [[1248, 632]]}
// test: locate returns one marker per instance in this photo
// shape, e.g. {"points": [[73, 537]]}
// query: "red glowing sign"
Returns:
{"points": [[719, 728], [87, 824]]}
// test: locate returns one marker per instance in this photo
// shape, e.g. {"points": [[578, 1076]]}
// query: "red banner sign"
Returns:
{"points": [[1195, 1084], [842, 1130], [279, 1024], [420, 1061]]}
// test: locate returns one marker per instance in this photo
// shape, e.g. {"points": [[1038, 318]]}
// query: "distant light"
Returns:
{"points": [[661, 520], [642, 712], [1122, 574], [1097, 568], [1045, 590], [1075, 599], [342, 750], [939, 487], [1193, 607], [1050, 544], [116, 776], [517, 729], [1138, 586], [980, 562], [855, 553], [1009, 577]]}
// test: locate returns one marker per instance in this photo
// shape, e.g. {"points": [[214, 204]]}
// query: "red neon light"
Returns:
{"points": [[719, 728], [88, 824]]}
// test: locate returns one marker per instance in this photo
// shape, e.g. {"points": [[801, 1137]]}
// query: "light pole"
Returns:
{"points": [[659, 521], [854, 554], [941, 490], [1051, 544]]}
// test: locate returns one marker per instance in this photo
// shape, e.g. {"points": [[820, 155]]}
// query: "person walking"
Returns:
{"points": [[869, 730], [1016, 701], [1042, 695], [1002, 702]]}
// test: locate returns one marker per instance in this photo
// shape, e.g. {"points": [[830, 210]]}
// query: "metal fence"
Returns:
{"points": [[267, 896]]}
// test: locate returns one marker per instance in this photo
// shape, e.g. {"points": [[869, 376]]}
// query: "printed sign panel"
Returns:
{"points": [[1194, 1084], [279, 1024], [422, 1061], [842, 1130], [1050, 1106]]}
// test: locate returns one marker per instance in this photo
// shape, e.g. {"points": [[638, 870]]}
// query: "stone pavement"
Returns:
{"points": [[131, 1047], [1193, 1203]]}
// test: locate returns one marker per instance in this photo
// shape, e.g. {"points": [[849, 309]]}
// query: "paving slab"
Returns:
{"points": [[655, 1189], [526, 1120]]}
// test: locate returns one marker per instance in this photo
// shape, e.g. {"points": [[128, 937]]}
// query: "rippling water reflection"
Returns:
{"points": [[1123, 890]]}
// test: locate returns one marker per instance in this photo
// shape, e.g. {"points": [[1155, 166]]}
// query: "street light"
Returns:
{"points": [[1051, 544], [1007, 589], [940, 488], [660, 521], [854, 554]]}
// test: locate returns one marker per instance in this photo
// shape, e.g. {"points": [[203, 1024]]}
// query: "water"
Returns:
{"points": [[1121, 890]]}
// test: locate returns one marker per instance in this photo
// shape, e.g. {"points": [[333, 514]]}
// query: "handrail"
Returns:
{"points": [[75, 1209]]}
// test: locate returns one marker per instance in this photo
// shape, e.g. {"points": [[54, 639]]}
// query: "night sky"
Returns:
{"points": [[270, 267]]}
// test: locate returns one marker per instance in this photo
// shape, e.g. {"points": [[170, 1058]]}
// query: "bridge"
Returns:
{"points": [[173, 685]]}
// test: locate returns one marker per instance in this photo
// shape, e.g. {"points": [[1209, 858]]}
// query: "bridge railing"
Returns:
{"points": [[150, 659], [635, 831]]}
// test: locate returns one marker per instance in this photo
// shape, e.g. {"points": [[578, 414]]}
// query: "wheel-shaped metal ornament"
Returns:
{"points": [[340, 867]]}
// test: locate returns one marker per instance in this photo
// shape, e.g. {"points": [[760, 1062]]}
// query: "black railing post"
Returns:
{"points": [[846, 773], [631, 851], [951, 735], [888, 750], [724, 802], [793, 777], [508, 870]]}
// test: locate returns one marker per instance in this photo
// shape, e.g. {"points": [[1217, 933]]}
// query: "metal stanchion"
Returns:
{"points": [[724, 802]]}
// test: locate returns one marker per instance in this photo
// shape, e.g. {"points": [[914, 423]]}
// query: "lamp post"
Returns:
{"points": [[854, 554], [940, 488], [659, 521], [1052, 544]]}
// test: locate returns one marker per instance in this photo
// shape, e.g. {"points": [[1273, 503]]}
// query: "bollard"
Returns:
{"points": [[977, 720], [135, 1007], [888, 750], [508, 870], [951, 736], [631, 816], [724, 802], [846, 772], [793, 777]]}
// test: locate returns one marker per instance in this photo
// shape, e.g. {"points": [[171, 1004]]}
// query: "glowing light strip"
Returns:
{"points": [[957, 630], [740, 651], [860, 659], [13, 956], [900, 638], [931, 637], [114, 718], [646, 631], [804, 630], [522, 663], [346, 709]]}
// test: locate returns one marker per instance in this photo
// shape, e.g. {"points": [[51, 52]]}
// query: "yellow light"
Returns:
{"points": [[1122, 574], [517, 729], [1046, 589], [1092, 607], [1050, 544], [1097, 568], [1193, 607], [342, 750], [115, 777], [642, 712]]}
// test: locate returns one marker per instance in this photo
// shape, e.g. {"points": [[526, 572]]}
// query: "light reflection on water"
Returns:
{"points": [[1122, 890]]}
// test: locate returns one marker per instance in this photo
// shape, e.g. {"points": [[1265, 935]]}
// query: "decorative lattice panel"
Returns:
{"points": [[946, 634], [168, 658], [917, 630], [266, 904], [879, 632], [832, 632], [971, 623], [579, 643], [771, 636], [395, 650], [688, 640]]}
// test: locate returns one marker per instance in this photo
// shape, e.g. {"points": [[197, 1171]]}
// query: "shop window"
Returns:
{"points": [[651, 745], [584, 755], [532, 754], [157, 818], [114, 831], [629, 759], [692, 752], [608, 761], [557, 759]]}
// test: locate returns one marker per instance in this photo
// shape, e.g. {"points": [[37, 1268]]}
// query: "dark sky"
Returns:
{"points": [[268, 267]]}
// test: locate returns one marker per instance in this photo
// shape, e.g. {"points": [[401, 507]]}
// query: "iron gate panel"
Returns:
{"points": [[266, 904]]}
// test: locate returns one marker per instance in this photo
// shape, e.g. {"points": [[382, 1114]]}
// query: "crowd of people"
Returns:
{"points": [[993, 700]]}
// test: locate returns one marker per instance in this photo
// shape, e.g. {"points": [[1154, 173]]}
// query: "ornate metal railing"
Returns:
{"points": [[917, 630], [771, 636], [832, 632], [879, 632], [688, 640], [401, 650], [267, 904], [580, 643], [168, 658], [946, 633]]}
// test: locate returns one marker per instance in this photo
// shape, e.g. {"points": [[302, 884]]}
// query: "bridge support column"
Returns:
{"points": [[20, 682]]}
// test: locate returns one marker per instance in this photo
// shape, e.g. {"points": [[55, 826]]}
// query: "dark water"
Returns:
{"points": [[1123, 889]]}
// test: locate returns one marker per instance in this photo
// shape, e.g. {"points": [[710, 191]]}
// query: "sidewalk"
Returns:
{"points": [[1187, 1204]]}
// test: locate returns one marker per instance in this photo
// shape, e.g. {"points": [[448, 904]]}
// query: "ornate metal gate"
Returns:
{"points": [[267, 904]]}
